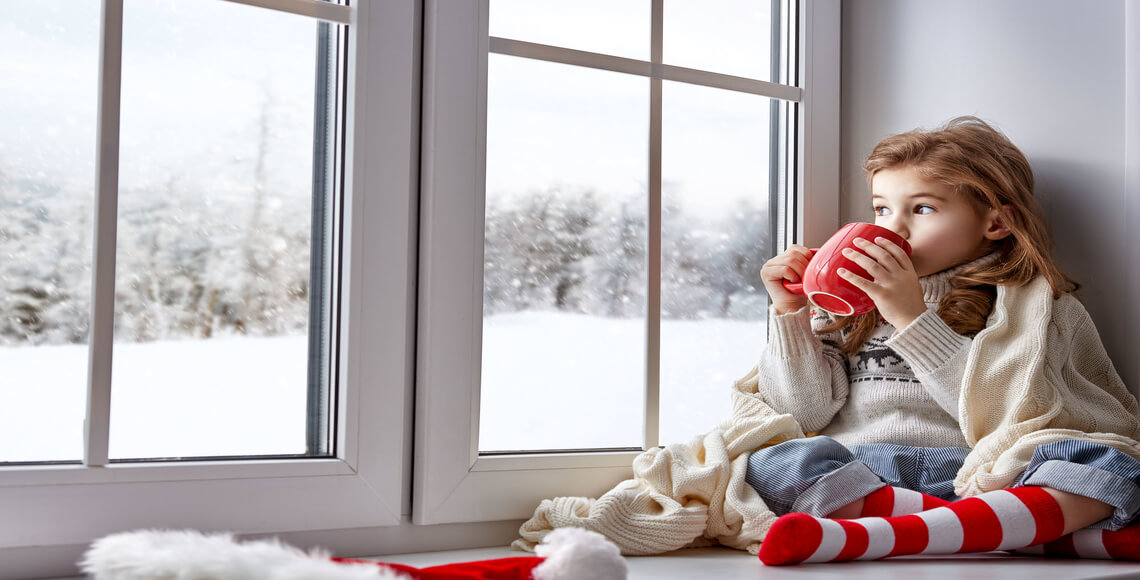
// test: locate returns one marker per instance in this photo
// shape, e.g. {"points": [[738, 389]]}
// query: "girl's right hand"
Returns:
{"points": [[790, 266]]}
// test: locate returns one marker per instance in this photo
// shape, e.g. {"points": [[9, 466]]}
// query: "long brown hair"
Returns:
{"points": [[981, 163]]}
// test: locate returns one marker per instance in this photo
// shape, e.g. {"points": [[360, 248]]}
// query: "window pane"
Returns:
{"points": [[564, 269], [616, 27], [48, 70], [215, 212], [715, 237], [725, 36]]}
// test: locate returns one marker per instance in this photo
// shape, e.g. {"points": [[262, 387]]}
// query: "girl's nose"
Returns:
{"points": [[895, 224], [898, 227]]}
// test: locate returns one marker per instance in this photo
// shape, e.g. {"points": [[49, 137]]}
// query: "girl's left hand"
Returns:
{"points": [[893, 285]]}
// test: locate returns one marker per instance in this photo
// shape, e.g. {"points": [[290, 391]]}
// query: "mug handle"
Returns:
{"points": [[798, 287], [794, 287]]}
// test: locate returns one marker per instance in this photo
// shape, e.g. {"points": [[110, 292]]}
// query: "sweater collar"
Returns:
{"points": [[935, 286]]}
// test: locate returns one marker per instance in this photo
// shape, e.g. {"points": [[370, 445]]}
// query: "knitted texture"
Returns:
{"points": [[901, 387], [999, 520], [1038, 373], [1012, 399], [1090, 544], [898, 501], [681, 494]]}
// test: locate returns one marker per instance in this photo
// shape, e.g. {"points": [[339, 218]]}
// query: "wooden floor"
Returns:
{"points": [[723, 563]]}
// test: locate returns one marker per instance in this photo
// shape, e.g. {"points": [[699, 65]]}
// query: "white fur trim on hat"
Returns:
{"points": [[190, 555], [578, 554]]}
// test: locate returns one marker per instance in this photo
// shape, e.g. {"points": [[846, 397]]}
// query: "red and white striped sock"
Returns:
{"points": [[1006, 519], [1122, 544], [898, 501]]}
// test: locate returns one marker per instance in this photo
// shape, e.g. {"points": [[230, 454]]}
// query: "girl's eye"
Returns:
{"points": [[924, 210], [880, 210]]}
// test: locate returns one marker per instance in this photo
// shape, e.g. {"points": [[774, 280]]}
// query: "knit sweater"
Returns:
{"points": [[900, 387]]}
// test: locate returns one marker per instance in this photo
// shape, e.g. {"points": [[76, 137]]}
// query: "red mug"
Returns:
{"points": [[821, 281]]}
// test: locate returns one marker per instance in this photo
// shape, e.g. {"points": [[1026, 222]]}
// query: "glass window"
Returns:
{"points": [[726, 36], [47, 153], [220, 330], [568, 322], [715, 236], [614, 27], [212, 309], [564, 267]]}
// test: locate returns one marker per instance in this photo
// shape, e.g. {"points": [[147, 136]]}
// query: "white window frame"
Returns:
{"points": [[50, 513], [453, 483], [1132, 164]]}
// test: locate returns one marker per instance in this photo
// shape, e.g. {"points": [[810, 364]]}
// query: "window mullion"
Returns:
{"points": [[98, 421], [653, 294], [558, 54], [319, 9], [317, 425], [778, 194]]}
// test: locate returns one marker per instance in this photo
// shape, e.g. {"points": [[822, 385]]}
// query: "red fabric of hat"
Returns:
{"points": [[517, 568]]}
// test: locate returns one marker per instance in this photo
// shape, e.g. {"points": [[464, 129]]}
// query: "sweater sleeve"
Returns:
{"points": [[800, 373], [937, 355]]}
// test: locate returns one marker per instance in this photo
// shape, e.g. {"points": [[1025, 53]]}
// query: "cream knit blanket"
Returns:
{"points": [[1037, 373], [681, 493]]}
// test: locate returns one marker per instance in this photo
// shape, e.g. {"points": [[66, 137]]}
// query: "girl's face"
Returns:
{"points": [[943, 228]]}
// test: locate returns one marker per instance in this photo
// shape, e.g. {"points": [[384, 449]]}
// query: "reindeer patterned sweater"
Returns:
{"points": [[902, 387]]}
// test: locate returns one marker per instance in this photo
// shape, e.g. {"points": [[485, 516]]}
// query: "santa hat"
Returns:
{"points": [[565, 554]]}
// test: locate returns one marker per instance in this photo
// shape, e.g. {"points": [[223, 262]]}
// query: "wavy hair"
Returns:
{"points": [[983, 165]]}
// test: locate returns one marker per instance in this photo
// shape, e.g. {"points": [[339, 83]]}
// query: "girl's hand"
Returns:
{"points": [[790, 266], [893, 285]]}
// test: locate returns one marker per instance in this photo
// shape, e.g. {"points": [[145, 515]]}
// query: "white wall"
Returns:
{"points": [[1052, 75]]}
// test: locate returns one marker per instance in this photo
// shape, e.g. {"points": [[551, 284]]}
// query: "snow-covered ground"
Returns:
{"points": [[226, 396], [551, 380], [555, 381]]}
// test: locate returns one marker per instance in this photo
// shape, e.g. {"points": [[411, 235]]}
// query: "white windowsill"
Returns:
{"points": [[171, 471]]}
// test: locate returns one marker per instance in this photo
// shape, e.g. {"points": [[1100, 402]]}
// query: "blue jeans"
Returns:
{"points": [[818, 475]]}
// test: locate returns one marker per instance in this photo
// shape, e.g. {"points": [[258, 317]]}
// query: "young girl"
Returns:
{"points": [[978, 375]]}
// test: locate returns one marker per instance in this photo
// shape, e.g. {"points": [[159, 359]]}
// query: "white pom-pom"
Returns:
{"points": [[578, 554], [191, 555]]}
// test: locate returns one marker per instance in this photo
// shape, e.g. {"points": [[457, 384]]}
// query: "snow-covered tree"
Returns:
{"points": [[619, 276]]}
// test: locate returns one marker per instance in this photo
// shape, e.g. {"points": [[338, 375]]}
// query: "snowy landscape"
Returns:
{"points": [[566, 381], [223, 396], [235, 396], [216, 208]]}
